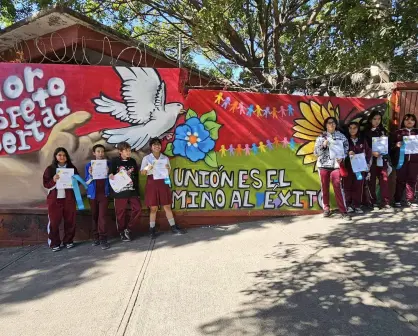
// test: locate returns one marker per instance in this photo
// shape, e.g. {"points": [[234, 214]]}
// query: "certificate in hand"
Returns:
{"points": [[160, 171], [380, 145], [411, 144], [65, 181], [359, 163], [99, 169], [120, 181], [336, 149]]}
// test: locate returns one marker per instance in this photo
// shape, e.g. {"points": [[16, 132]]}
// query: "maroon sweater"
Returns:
{"points": [[48, 180], [398, 137]]}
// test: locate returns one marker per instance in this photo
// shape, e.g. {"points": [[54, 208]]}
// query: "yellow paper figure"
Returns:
{"points": [[223, 150], [234, 106], [262, 147], [219, 98], [258, 111]]}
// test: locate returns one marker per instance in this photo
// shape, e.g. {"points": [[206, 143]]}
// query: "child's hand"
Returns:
{"points": [[144, 172], [167, 166], [376, 154], [90, 170], [112, 177], [56, 177], [399, 144], [351, 153], [325, 144]]}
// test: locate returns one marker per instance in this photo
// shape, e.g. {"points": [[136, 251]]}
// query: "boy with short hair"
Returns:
{"points": [[97, 193], [129, 194]]}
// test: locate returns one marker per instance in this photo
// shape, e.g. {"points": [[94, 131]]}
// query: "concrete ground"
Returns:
{"points": [[295, 276]]}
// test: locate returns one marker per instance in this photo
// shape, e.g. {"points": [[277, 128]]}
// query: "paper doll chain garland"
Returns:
{"points": [[262, 147]]}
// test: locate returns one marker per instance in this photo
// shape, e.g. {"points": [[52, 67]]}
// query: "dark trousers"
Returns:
{"points": [[58, 210], [353, 190], [380, 173], [406, 180], [99, 208], [334, 177], [120, 210]]}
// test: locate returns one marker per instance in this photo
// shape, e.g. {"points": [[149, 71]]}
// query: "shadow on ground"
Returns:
{"points": [[361, 280]]}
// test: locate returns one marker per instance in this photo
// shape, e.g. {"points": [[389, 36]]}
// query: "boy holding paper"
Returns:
{"points": [[128, 194], [96, 173], [406, 148], [354, 181], [375, 134], [157, 190], [331, 149], [61, 202]]}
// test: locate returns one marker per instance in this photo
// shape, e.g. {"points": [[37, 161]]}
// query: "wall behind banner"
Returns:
{"points": [[231, 150]]}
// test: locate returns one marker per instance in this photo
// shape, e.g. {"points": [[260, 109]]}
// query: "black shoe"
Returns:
{"points": [[327, 213], [153, 233], [128, 234], [95, 242], [56, 249], [124, 238], [69, 245], [397, 205], [411, 205], [346, 217], [104, 245], [175, 229]]}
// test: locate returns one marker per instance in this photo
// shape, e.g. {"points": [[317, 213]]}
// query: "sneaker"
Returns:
{"points": [[375, 206], [128, 234], [346, 216], [397, 205], [104, 245], [412, 205], [350, 209], [124, 238], [69, 245], [95, 242], [175, 229], [327, 213], [153, 232], [56, 249], [358, 210], [386, 206]]}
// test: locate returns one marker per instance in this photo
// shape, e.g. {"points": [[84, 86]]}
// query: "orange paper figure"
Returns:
{"points": [[274, 113], [276, 141], [258, 111], [219, 98], [262, 147], [239, 150], [234, 106], [223, 150]]}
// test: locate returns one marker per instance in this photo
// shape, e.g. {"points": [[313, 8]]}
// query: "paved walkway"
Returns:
{"points": [[294, 276]]}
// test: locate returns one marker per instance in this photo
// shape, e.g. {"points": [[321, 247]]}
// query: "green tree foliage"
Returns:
{"points": [[276, 44]]}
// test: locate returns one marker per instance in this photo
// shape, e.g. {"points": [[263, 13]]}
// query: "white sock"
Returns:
{"points": [[171, 222], [152, 225]]}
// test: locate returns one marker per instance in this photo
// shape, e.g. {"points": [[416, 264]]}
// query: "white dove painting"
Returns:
{"points": [[143, 106]]}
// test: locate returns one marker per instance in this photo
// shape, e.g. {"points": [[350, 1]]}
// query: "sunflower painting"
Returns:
{"points": [[311, 126]]}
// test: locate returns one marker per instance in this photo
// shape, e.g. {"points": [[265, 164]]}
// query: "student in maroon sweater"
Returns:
{"points": [[353, 188], [61, 203], [406, 176], [379, 163]]}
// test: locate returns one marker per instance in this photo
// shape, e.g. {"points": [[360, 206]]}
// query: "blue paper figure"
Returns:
{"points": [[267, 112], [250, 110], [292, 144], [259, 196], [269, 144], [290, 110], [255, 149], [231, 150], [226, 102]]}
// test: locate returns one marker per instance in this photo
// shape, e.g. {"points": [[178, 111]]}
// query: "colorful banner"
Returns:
{"points": [[228, 150]]}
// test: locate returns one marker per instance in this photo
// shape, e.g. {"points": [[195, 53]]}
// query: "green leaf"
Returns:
{"points": [[213, 128], [211, 159], [169, 150], [209, 116], [190, 114]]}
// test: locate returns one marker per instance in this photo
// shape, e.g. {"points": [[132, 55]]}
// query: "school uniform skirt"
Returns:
{"points": [[157, 193]]}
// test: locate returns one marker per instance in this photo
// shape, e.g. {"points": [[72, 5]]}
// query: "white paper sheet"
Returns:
{"points": [[160, 171], [336, 149], [120, 181], [65, 181], [99, 169], [411, 144], [359, 163], [380, 145]]}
